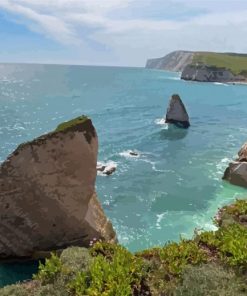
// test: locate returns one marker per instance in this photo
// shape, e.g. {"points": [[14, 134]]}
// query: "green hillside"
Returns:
{"points": [[236, 63]]}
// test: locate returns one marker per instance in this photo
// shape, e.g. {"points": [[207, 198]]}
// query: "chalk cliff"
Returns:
{"points": [[174, 61], [47, 194]]}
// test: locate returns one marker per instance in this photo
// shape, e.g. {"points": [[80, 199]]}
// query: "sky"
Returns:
{"points": [[117, 32]]}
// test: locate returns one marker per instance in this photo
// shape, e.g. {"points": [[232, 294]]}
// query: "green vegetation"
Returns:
{"points": [[237, 64], [71, 123], [210, 279], [214, 263], [117, 274], [230, 243]]}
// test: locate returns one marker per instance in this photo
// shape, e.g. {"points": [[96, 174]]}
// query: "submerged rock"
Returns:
{"points": [[236, 172], [106, 169], [109, 170], [47, 196], [176, 113]]}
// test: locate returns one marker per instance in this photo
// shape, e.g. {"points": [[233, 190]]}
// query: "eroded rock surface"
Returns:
{"points": [[176, 112], [47, 193], [236, 172]]}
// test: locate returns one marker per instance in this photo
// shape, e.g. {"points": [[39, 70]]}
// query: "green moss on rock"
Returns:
{"points": [[71, 123], [81, 124]]}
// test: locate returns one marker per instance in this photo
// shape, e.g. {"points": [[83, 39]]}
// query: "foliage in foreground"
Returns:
{"points": [[210, 279], [211, 264]]}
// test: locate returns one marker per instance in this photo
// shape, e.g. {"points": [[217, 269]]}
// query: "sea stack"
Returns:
{"points": [[176, 112], [236, 172], [47, 196]]}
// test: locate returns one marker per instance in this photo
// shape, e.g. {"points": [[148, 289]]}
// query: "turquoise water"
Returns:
{"points": [[175, 185]]}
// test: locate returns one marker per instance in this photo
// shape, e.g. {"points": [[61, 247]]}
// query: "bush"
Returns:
{"points": [[230, 242], [116, 272], [75, 259], [236, 212], [167, 264], [14, 290], [210, 280], [48, 272], [175, 256]]}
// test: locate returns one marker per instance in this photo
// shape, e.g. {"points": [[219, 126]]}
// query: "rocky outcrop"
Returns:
{"points": [[174, 61], [236, 172], [176, 113], [206, 73], [47, 196]]}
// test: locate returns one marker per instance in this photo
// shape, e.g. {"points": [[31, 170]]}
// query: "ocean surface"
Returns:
{"points": [[174, 185]]}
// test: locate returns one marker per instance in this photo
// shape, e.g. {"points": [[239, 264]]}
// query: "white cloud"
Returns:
{"points": [[220, 26]]}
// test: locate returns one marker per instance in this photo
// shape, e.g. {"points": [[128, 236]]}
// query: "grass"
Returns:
{"points": [[71, 123], [237, 64]]}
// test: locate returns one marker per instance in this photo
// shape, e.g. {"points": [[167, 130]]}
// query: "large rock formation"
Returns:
{"points": [[176, 113], [174, 61], [236, 172], [47, 196], [204, 73]]}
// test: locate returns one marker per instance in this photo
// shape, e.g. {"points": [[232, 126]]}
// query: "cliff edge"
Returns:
{"points": [[47, 195], [175, 61], [204, 66]]}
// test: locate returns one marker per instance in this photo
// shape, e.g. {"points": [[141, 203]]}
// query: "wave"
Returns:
{"points": [[220, 83], [161, 121]]}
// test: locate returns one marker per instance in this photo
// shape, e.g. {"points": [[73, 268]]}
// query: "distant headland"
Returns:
{"points": [[204, 66]]}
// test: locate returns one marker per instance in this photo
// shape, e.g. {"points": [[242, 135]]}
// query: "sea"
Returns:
{"points": [[174, 185]]}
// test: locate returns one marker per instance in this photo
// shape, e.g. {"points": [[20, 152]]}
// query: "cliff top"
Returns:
{"points": [[178, 60], [80, 124]]}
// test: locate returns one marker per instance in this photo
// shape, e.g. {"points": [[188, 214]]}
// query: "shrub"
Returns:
{"points": [[235, 212], [167, 263], [210, 280], [49, 271], [175, 256], [113, 272], [14, 290], [230, 242], [75, 259]]}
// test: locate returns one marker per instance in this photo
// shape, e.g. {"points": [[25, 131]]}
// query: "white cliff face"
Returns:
{"points": [[47, 196], [175, 61], [176, 112]]}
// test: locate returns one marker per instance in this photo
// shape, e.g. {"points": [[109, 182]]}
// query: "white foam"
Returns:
{"points": [[108, 164], [220, 83], [161, 121], [127, 154]]}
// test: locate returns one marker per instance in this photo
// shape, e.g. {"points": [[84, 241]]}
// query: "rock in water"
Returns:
{"points": [[236, 172], [47, 196], [109, 170], [176, 113]]}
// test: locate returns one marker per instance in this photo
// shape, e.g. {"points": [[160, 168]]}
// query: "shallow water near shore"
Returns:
{"points": [[174, 185]]}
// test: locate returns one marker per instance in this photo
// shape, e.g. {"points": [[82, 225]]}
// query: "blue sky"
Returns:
{"points": [[117, 32]]}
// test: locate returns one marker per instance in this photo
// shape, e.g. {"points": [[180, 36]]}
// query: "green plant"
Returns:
{"points": [[14, 290], [175, 256], [48, 272], [230, 242], [210, 280], [114, 272]]}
